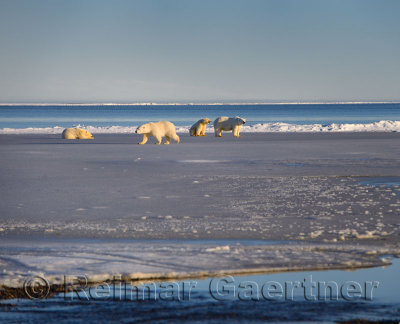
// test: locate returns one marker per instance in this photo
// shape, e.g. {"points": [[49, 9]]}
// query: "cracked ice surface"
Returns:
{"points": [[309, 188]]}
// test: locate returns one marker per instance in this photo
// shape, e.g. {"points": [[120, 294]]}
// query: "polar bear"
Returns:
{"points": [[228, 123], [199, 128], [76, 133], [158, 130]]}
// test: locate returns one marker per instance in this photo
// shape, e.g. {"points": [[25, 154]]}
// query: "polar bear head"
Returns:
{"points": [[205, 121], [240, 121], [84, 134], [143, 129]]}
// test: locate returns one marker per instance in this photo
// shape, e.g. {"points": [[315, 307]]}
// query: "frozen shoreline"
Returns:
{"points": [[279, 127], [311, 188], [100, 260]]}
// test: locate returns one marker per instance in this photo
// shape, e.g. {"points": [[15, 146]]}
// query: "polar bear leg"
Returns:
{"points": [[239, 127], [167, 140], [176, 138], [235, 131], [144, 140], [158, 139], [218, 132], [203, 130]]}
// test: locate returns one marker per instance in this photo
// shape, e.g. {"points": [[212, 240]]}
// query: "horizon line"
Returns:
{"points": [[188, 103]]}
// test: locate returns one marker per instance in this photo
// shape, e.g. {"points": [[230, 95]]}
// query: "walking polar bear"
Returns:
{"points": [[158, 130], [76, 133], [228, 123], [199, 128]]}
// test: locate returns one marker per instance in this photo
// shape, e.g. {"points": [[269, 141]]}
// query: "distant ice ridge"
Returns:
{"points": [[217, 103], [381, 126]]}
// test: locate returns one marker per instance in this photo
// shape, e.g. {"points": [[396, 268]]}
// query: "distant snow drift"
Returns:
{"points": [[381, 126]]}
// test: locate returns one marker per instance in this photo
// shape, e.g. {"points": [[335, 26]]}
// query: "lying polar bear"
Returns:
{"points": [[76, 133], [199, 128], [158, 130], [227, 123]]}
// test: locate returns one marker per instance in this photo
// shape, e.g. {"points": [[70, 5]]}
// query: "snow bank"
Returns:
{"points": [[381, 126]]}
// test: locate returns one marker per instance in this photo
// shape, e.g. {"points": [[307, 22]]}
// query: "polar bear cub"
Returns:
{"points": [[199, 128], [76, 133], [158, 130], [228, 123]]}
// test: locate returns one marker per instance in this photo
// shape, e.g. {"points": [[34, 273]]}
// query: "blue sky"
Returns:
{"points": [[199, 50]]}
